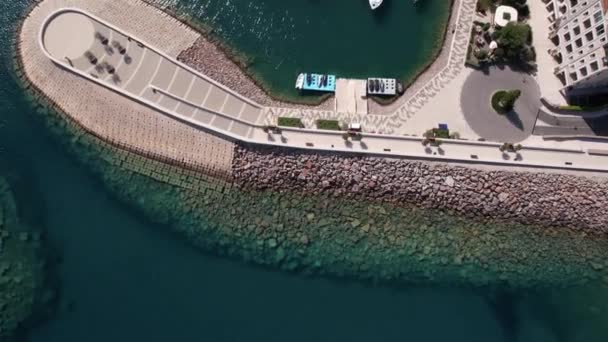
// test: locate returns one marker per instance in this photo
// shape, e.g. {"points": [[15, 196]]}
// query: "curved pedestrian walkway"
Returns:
{"points": [[475, 102], [124, 64], [160, 82]]}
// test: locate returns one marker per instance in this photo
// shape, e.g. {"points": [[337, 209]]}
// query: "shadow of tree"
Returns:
{"points": [[515, 120]]}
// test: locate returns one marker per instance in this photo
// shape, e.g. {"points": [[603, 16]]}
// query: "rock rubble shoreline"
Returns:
{"points": [[546, 199]]}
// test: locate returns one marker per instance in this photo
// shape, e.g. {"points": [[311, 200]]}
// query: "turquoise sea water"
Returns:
{"points": [[343, 37], [125, 278]]}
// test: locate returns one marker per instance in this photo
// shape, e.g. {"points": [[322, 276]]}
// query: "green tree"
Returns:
{"points": [[513, 39]]}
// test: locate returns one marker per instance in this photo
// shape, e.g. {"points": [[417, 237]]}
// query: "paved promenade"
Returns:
{"points": [[103, 112], [151, 77]]}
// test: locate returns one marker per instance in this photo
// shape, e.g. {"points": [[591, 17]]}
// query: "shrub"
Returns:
{"points": [[509, 147], [484, 5], [330, 125], [437, 133], [513, 38], [441, 133], [528, 54], [499, 53], [455, 135], [482, 54], [503, 101], [290, 122]]}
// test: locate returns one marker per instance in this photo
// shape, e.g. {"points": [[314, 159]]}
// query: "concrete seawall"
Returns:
{"points": [[111, 116]]}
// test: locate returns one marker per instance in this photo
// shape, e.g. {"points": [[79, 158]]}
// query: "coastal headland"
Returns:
{"points": [[367, 215]]}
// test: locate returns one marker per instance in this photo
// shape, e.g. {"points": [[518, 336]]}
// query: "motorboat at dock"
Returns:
{"points": [[384, 86], [316, 82]]}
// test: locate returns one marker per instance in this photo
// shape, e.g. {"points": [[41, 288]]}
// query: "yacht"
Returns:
{"points": [[316, 82], [375, 3]]}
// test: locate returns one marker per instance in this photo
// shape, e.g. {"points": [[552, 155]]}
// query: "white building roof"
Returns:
{"points": [[505, 15]]}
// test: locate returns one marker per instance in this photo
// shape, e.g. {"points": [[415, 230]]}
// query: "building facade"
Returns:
{"points": [[578, 29]]}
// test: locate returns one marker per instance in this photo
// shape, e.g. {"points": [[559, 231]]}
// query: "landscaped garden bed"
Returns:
{"points": [[510, 44], [330, 125], [290, 122], [431, 136], [503, 101]]}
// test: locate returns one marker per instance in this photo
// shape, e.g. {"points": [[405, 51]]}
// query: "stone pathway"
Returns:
{"points": [[387, 124]]}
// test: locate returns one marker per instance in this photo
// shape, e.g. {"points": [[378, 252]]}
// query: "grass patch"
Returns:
{"points": [[437, 133], [583, 108], [330, 125], [503, 101], [290, 122]]}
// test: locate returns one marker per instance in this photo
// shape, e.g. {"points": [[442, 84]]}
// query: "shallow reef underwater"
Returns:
{"points": [[556, 274], [26, 294]]}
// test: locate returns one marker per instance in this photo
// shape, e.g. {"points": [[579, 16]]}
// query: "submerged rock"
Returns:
{"points": [[21, 269]]}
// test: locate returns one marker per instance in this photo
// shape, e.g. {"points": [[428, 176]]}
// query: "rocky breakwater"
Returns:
{"points": [[537, 198]]}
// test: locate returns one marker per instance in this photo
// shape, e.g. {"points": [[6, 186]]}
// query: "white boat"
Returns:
{"points": [[375, 3], [300, 81]]}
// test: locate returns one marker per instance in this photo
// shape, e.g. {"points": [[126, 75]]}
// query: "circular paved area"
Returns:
{"points": [[481, 117], [69, 34]]}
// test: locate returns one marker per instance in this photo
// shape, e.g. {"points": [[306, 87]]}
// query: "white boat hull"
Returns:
{"points": [[375, 3]]}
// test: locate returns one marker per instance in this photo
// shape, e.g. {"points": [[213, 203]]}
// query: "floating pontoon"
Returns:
{"points": [[381, 86], [316, 82]]}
